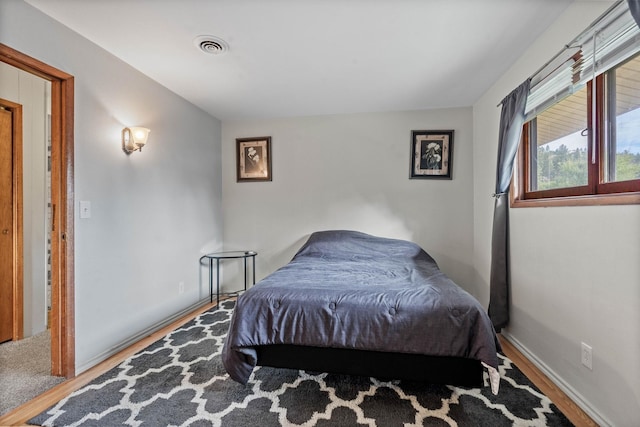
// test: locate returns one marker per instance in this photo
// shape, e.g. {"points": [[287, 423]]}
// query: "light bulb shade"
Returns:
{"points": [[134, 138]]}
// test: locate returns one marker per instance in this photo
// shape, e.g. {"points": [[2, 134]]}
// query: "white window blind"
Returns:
{"points": [[610, 40]]}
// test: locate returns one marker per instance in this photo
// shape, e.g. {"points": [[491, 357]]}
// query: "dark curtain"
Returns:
{"points": [[634, 8], [511, 122]]}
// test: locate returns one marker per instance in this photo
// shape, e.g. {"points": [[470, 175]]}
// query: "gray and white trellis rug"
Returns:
{"points": [[180, 381]]}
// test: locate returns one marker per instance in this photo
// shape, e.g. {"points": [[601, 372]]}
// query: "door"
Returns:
{"points": [[11, 241], [6, 226]]}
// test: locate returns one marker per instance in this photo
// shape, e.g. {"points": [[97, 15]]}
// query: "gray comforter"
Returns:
{"points": [[346, 289]]}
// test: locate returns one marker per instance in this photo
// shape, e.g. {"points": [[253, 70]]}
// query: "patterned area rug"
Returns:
{"points": [[180, 381]]}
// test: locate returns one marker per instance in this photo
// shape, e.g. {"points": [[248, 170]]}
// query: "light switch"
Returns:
{"points": [[85, 209]]}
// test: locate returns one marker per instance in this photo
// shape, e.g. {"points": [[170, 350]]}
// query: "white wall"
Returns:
{"points": [[29, 91], [575, 270], [350, 172], [154, 213]]}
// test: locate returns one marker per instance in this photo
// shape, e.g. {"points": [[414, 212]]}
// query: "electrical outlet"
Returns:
{"points": [[587, 356], [181, 288]]}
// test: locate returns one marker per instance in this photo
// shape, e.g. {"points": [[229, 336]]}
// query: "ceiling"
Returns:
{"points": [[314, 57]]}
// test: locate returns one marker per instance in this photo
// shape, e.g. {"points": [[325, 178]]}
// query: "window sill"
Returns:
{"points": [[590, 200]]}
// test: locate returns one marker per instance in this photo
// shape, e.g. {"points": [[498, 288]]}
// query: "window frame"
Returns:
{"points": [[596, 192]]}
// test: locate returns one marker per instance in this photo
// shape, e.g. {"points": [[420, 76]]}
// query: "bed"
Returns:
{"points": [[352, 303]]}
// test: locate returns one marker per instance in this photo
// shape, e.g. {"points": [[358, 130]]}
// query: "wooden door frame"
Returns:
{"points": [[17, 329], [62, 203]]}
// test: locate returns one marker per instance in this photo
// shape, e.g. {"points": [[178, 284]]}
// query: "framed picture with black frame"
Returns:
{"points": [[431, 154], [253, 159]]}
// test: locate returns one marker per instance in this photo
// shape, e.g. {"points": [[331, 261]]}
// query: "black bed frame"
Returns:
{"points": [[456, 371]]}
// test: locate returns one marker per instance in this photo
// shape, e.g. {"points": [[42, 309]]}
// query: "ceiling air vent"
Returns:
{"points": [[211, 44]]}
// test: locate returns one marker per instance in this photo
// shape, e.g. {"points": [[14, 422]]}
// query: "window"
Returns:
{"points": [[558, 145], [586, 146], [581, 137], [622, 123]]}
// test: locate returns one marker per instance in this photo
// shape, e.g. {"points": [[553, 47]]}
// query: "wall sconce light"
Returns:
{"points": [[134, 138]]}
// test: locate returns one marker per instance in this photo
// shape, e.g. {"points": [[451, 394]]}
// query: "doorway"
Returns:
{"points": [[62, 291]]}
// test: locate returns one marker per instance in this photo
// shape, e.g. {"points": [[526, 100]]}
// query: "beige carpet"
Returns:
{"points": [[25, 368]]}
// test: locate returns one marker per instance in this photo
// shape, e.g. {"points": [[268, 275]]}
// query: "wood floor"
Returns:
{"points": [[572, 411], [20, 415]]}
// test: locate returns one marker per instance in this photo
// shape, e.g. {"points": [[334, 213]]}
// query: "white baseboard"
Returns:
{"points": [[140, 335], [576, 397]]}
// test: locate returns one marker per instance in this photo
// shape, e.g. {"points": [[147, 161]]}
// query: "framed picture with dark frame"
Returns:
{"points": [[431, 154], [254, 159]]}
